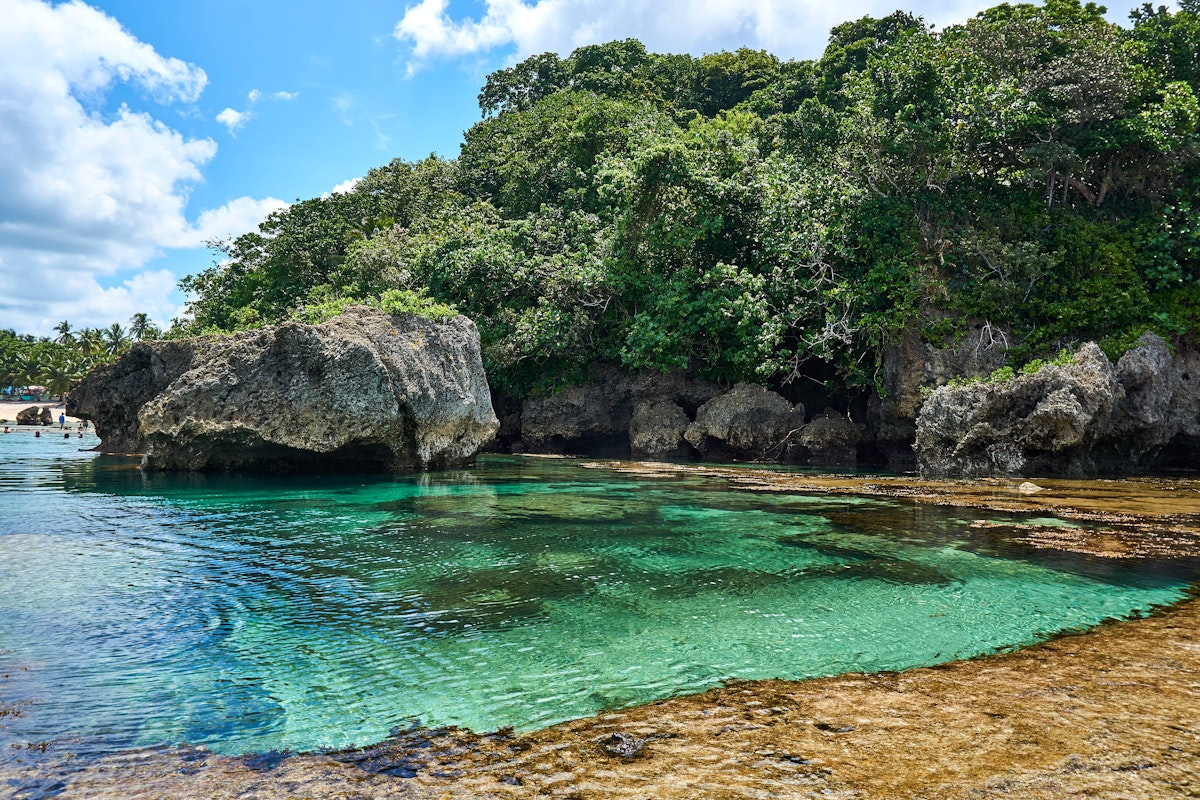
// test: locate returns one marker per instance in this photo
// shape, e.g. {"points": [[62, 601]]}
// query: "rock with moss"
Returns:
{"points": [[365, 391], [1084, 418]]}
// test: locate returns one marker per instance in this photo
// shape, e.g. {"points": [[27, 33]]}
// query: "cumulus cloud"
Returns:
{"points": [[90, 193], [345, 187], [788, 28], [229, 221], [233, 120]]}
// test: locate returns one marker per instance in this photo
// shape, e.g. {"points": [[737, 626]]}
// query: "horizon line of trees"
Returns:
{"points": [[54, 363]]}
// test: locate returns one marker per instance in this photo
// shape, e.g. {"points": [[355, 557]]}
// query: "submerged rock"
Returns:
{"points": [[1085, 418], [364, 391]]}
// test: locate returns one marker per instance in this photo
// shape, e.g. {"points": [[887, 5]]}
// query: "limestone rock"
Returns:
{"points": [[913, 366], [596, 418], [657, 429], [832, 440], [30, 416], [363, 391], [748, 421], [46, 417], [580, 417], [1086, 418]]}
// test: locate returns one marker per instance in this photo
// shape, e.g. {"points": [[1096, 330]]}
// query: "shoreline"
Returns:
{"points": [[1107, 713]]}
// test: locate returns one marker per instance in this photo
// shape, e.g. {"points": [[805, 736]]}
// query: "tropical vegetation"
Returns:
{"points": [[1035, 169], [52, 364]]}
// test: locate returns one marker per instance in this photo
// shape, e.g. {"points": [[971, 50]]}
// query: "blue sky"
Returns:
{"points": [[132, 131]]}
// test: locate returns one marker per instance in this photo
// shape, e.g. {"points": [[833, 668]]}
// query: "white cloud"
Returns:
{"points": [[787, 28], [285, 96], [345, 187], [229, 221], [91, 193], [233, 120]]}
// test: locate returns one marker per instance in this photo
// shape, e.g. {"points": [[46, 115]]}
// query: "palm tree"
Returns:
{"points": [[58, 372], [65, 336], [140, 327], [115, 339], [90, 344]]}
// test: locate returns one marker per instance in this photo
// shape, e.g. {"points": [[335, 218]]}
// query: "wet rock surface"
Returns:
{"points": [[1085, 418], [364, 391]]}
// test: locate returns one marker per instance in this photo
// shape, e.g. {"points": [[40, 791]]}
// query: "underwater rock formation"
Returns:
{"points": [[1086, 418], [364, 391]]}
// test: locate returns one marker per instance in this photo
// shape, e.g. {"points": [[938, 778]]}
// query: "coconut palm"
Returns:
{"points": [[90, 344], [140, 327], [116, 341], [57, 373], [65, 336]]}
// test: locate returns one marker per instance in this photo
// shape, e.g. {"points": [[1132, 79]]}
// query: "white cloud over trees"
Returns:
{"points": [[787, 28], [92, 193]]}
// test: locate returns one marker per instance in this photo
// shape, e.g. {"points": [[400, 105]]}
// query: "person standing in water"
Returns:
{"points": [[62, 420]]}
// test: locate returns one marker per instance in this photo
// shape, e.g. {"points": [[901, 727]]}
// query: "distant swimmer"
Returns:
{"points": [[37, 434]]}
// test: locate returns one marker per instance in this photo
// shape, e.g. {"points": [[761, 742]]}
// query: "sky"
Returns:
{"points": [[133, 132]]}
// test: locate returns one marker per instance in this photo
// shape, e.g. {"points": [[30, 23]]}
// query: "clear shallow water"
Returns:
{"points": [[254, 613]]}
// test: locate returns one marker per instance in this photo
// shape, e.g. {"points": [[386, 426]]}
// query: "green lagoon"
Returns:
{"points": [[250, 613]]}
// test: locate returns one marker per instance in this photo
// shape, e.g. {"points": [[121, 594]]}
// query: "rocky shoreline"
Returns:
{"points": [[1109, 713]]}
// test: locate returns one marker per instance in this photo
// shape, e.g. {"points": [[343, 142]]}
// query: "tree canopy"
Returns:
{"points": [[748, 218]]}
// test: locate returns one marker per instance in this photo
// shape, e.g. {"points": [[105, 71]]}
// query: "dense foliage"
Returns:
{"points": [[52, 364], [1035, 168]]}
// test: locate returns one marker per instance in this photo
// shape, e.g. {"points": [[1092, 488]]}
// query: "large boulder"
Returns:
{"points": [[656, 430], [364, 391], [1085, 418], [831, 440], [747, 422], [30, 416]]}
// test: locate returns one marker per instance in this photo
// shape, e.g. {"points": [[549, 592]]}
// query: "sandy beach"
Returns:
{"points": [[9, 409]]}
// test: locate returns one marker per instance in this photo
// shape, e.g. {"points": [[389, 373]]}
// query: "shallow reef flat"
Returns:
{"points": [[1110, 713]]}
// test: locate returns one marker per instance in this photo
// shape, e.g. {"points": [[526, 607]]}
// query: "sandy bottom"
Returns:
{"points": [[1112, 713]]}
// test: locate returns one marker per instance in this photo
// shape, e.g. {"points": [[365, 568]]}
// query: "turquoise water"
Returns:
{"points": [[250, 614]]}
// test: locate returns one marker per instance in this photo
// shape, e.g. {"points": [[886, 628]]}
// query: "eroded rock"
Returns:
{"points": [[30, 416], [748, 421], [831, 440], [1086, 418], [363, 391]]}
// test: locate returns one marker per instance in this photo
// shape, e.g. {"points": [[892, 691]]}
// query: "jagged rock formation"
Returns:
{"points": [[748, 421], [654, 415], [35, 415], [912, 367], [1086, 418], [364, 391]]}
